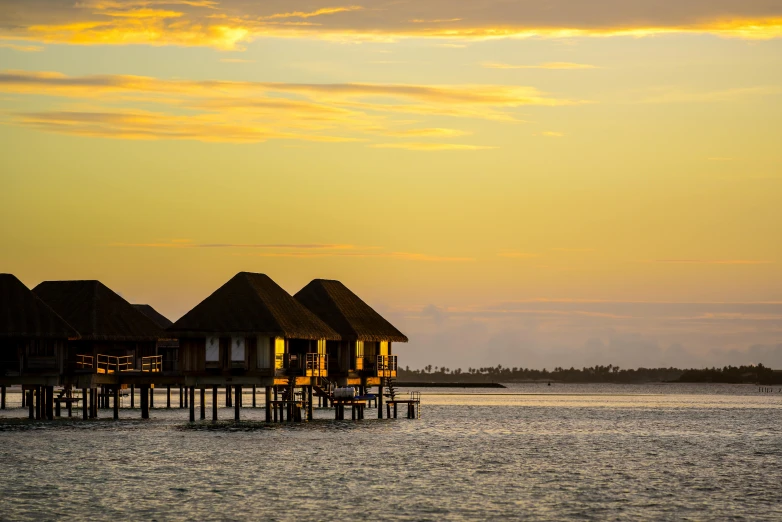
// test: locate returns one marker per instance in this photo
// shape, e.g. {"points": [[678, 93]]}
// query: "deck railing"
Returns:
{"points": [[316, 365], [84, 362], [386, 365], [153, 363], [115, 363]]}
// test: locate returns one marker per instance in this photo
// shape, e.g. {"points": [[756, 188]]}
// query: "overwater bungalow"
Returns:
{"points": [[115, 340], [363, 356], [251, 332], [32, 343]]}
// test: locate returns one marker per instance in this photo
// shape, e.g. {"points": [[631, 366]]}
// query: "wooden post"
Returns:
{"points": [[380, 400], [144, 402], [268, 404], [214, 403], [395, 410], [116, 402], [309, 403], [168, 397], [237, 402], [2, 398], [187, 397], [151, 397], [203, 403], [228, 396], [84, 403], [181, 399], [49, 403], [132, 396], [90, 407], [388, 411], [192, 404], [70, 402], [24, 397], [275, 411], [253, 396], [57, 409]]}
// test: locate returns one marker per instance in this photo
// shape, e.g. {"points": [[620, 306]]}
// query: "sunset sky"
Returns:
{"points": [[531, 183]]}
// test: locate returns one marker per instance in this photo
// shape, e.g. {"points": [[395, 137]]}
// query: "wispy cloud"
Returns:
{"points": [[549, 65], [231, 24], [714, 261], [21, 48], [240, 111]]}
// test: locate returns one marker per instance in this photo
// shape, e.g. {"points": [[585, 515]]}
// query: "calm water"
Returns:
{"points": [[591, 452]]}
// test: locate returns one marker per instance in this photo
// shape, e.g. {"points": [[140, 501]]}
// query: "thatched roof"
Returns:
{"points": [[159, 319], [25, 316], [96, 312], [252, 304], [346, 313]]}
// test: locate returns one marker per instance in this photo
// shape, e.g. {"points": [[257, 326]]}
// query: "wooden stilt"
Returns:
{"points": [[57, 409], [309, 403], [37, 403], [275, 411], [238, 402], [214, 403], [388, 411], [116, 402], [168, 397], [91, 400], [228, 396], [151, 397], [380, 400], [144, 402], [50, 402], [192, 404], [70, 403], [132, 396], [24, 397], [395, 410], [268, 397], [187, 397], [253, 396], [84, 403], [181, 399], [2, 398], [203, 403]]}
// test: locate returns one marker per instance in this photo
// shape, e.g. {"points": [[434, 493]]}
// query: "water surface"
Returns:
{"points": [[529, 452]]}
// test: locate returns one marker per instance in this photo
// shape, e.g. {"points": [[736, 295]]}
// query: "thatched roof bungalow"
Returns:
{"points": [[32, 335], [365, 347], [108, 325], [250, 326]]}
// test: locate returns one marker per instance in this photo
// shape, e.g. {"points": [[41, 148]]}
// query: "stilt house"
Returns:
{"points": [[113, 336], [32, 337], [251, 331], [363, 355]]}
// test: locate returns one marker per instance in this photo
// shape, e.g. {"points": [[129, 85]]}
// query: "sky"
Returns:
{"points": [[516, 182]]}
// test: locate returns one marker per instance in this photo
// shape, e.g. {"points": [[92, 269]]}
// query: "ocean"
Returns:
{"points": [[528, 452]]}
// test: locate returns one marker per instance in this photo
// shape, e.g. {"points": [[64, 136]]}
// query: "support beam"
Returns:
{"points": [[268, 404], [309, 403], [253, 397], [237, 403], [380, 400], [151, 397], [144, 402], [83, 403], [214, 403], [181, 399], [192, 404], [132, 396], [2, 398], [24, 397], [70, 403], [116, 402], [168, 397], [49, 403], [228, 396], [203, 404]]}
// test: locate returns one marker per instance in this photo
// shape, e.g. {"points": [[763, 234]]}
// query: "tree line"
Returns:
{"points": [[752, 374]]}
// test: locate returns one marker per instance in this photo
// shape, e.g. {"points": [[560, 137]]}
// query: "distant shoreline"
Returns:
{"points": [[423, 384]]}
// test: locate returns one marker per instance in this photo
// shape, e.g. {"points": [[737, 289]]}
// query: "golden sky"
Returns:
{"points": [[531, 183]]}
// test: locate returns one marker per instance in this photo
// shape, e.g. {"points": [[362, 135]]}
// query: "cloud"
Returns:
{"points": [[714, 261], [21, 48], [430, 146], [518, 255], [550, 65], [232, 24], [119, 106], [553, 134]]}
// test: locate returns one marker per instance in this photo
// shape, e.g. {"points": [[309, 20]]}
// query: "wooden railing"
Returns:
{"points": [[153, 363], [386, 366], [115, 363], [84, 362], [316, 365]]}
